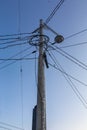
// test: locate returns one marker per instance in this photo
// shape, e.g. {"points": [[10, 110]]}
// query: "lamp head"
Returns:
{"points": [[59, 38]]}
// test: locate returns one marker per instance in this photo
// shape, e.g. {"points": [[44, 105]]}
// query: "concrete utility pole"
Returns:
{"points": [[41, 99]]}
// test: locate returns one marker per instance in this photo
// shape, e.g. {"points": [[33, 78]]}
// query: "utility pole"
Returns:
{"points": [[41, 99], [40, 41]]}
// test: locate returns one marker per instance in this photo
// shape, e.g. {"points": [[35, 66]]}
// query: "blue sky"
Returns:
{"points": [[64, 109]]}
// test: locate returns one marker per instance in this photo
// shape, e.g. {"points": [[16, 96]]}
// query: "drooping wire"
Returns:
{"points": [[68, 75], [13, 45], [57, 63], [71, 58], [54, 11], [11, 57], [78, 61], [16, 40], [77, 33], [19, 59], [15, 60], [72, 85], [16, 34], [4, 39], [5, 128], [70, 36], [73, 45], [10, 125]]}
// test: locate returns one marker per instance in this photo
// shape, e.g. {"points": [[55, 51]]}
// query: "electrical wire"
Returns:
{"points": [[54, 11], [78, 61], [10, 42], [16, 54], [28, 48], [16, 34], [75, 34], [68, 75], [18, 59], [71, 58], [17, 40], [4, 39], [70, 36], [15, 60], [73, 45], [72, 85], [13, 45], [5, 128], [12, 126], [11, 36]]}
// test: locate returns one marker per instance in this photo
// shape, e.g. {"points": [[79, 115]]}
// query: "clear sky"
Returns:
{"points": [[18, 90]]}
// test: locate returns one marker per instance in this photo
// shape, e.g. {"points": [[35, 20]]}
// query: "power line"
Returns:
{"points": [[5, 128], [17, 40], [16, 34], [72, 45], [13, 45], [9, 125], [74, 89], [72, 85], [15, 60], [78, 61], [10, 42], [77, 33], [54, 11], [70, 36], [13, 38], [18, 53], [68, 75], [71, 58]]}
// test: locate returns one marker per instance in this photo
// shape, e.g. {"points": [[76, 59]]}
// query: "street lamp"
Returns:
{"points": [[59, 39]]}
